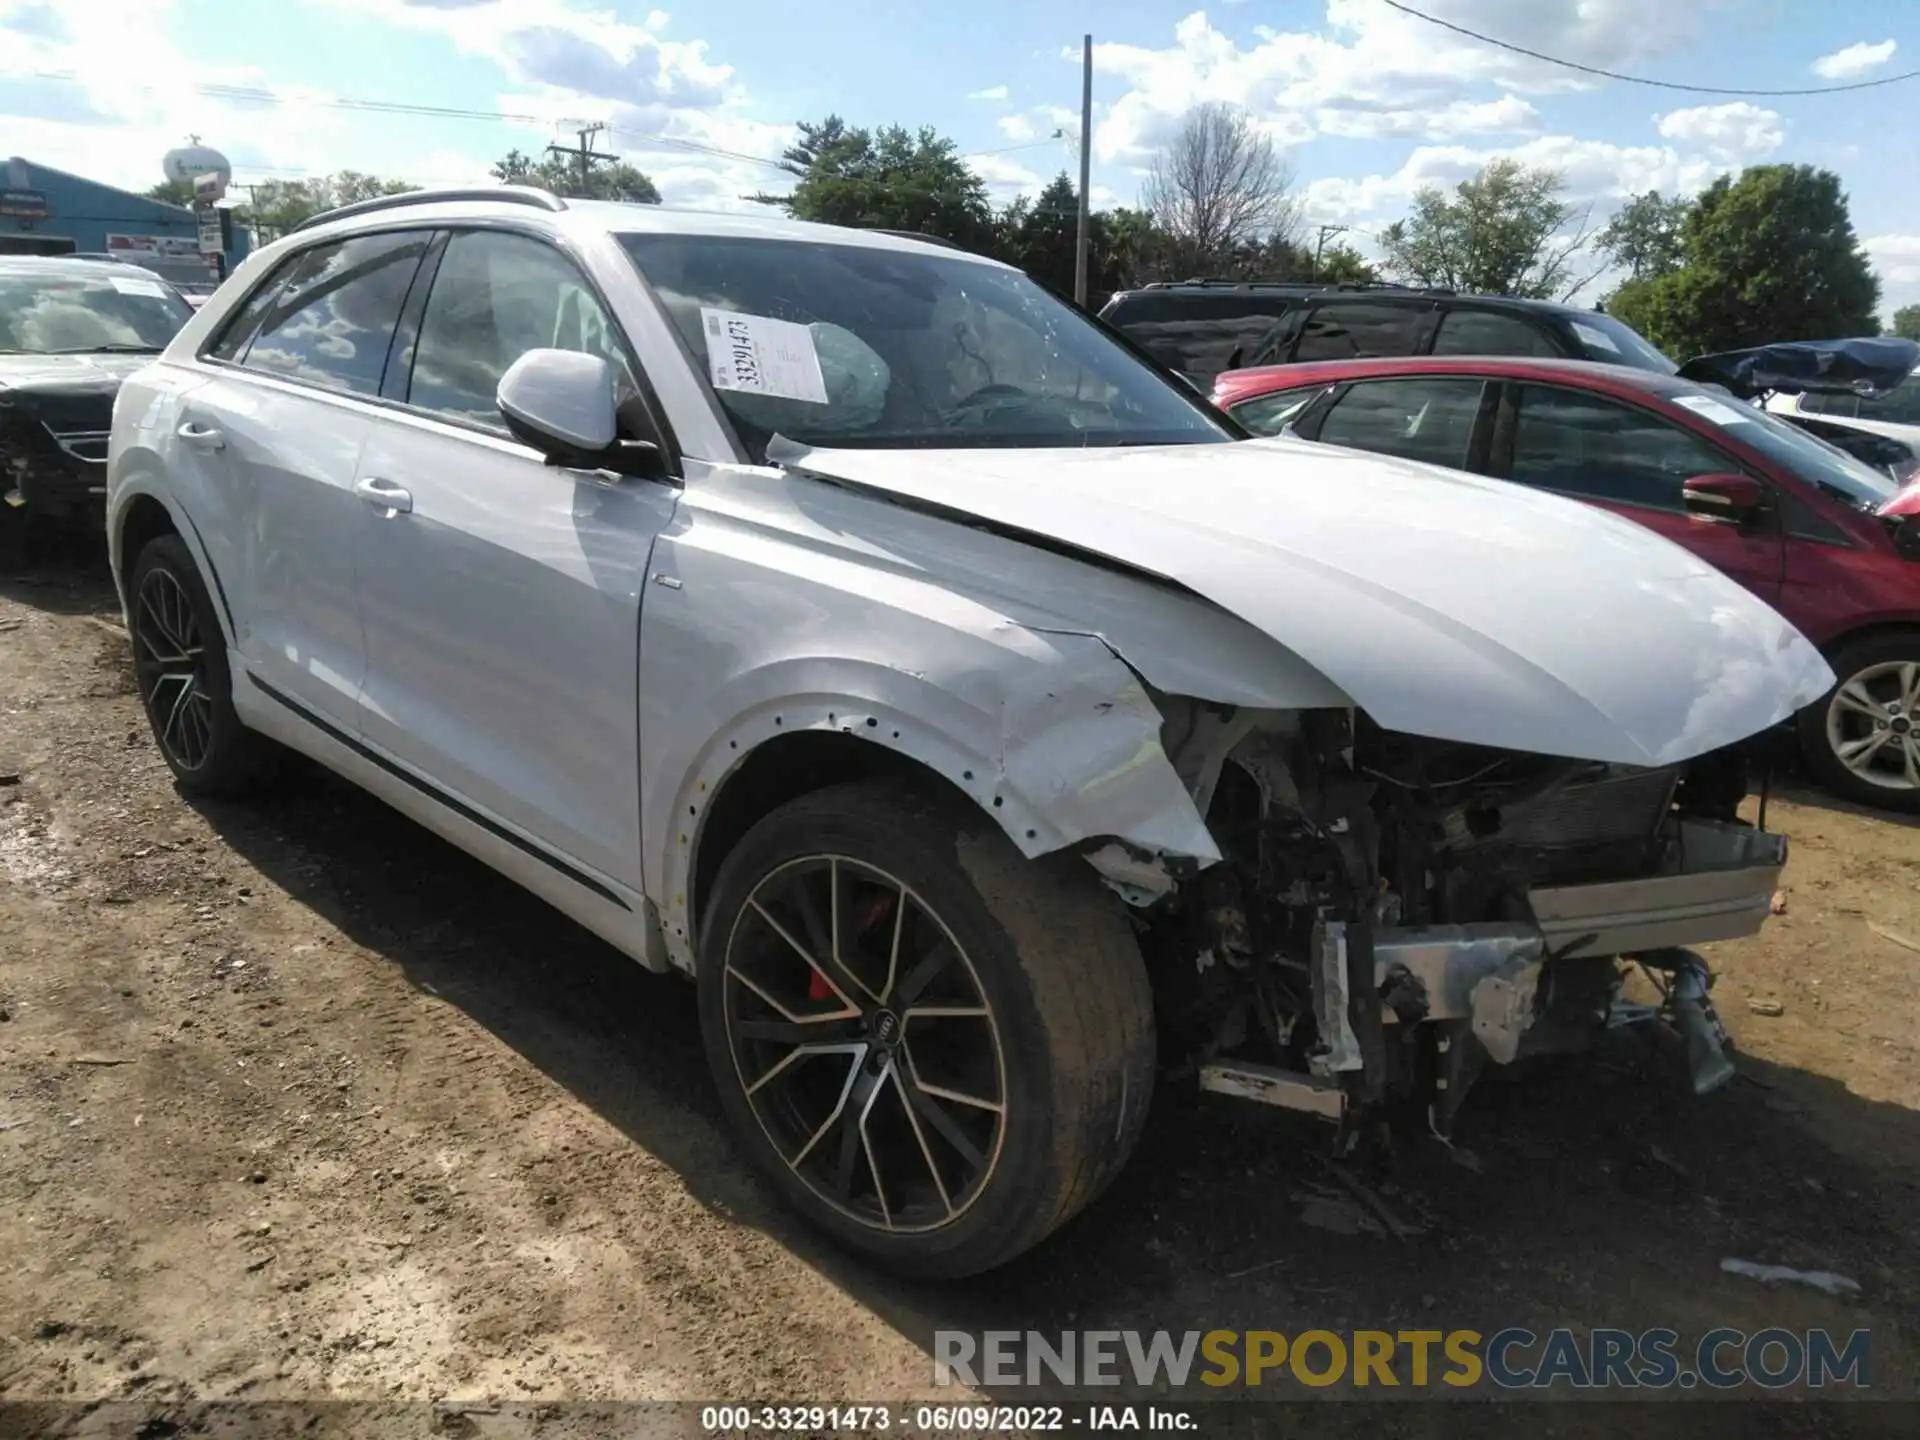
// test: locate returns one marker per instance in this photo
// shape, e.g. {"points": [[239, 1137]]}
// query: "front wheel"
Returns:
{"points": [[1863, 739], [937, 1049]]}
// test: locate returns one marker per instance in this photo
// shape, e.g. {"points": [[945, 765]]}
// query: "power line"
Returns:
{"points": [[1641, 79], [254, 95]]}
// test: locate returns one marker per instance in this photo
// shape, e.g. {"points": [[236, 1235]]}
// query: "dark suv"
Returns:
{"points": [[1203, 327]]}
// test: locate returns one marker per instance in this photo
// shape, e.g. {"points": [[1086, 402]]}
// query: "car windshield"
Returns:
{"points": [[1605, 339], [69, 314], [1838, 474], [857, 345]]}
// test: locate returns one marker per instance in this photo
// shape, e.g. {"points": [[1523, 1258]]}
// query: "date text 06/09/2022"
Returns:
{"points": [[941, 1419]]}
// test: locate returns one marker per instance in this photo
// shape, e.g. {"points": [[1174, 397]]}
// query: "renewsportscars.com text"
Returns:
{"points": [[1509, 1359]]}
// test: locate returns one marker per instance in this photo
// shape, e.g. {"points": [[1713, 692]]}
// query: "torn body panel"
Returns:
{"points": [[1038, 684]]}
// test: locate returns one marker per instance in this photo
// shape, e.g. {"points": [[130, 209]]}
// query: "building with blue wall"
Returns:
{"points": [[44, 211]]}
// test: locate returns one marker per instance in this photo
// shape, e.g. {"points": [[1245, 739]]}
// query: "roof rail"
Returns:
{"points": [[940, 240], [511, 194]]}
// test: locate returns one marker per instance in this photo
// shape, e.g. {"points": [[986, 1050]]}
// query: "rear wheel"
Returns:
{"points": [[937, 1049], [1863, 739], [180, 667]]}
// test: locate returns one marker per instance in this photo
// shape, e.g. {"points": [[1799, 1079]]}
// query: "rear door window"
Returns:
{"points": [[1587, 445], [1358, 329], [1486, 332], [1198, 333], [332, 322], [1425, 418]]}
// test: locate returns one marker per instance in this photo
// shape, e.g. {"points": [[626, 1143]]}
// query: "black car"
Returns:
{"points": [[1203, 327], [70, 331]]}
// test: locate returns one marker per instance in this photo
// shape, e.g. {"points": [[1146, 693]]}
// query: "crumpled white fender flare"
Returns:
{"points": [[1076, 759]]}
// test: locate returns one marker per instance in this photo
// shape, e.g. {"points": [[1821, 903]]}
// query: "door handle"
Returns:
{"points": [[201, 437], [384, 495]]}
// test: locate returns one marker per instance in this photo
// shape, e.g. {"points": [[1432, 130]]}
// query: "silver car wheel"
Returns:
{"points": [[1873, 724]]}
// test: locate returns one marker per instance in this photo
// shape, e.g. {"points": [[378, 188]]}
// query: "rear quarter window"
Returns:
{"points": [[1270, 414]]}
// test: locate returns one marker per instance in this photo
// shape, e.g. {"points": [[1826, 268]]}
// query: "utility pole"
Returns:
{"points": [[585, 154], [1321, 244], [1080, 238]]}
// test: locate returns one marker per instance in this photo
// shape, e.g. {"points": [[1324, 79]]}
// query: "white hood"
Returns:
{"points": [[1445, 604]]}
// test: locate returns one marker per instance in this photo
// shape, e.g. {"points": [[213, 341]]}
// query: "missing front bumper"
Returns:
{"points": [[1719, 886], [1486, 987]]}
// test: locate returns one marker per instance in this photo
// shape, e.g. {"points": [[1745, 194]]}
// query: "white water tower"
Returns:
{"points": [[187, 163]]}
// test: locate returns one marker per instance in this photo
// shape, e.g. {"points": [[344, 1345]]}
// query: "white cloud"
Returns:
{"points": [[1359, 121], [1595, 172], [1854, 60], [1737, 132], [1373, 72], [1897, 260], [667, 103], [1018, 127], [995, 92], [134, 93], [1005, 177]]}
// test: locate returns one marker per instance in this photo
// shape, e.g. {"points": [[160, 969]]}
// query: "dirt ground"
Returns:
{"points": [[297, 1102]]}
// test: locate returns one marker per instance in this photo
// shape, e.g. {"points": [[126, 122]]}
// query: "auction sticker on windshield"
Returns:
{"points": [[1708, 408], [1598, 339], [125, 286], [762, 356]]}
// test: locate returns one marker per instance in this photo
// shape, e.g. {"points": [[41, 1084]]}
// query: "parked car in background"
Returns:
{"points": [[70, 331], [1200, 328], [1829, 541], [851, 625], [1841, 416]]}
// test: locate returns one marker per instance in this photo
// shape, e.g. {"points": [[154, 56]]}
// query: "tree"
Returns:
{"points": [[606, 180], [1343, 265], [1503, 232], [1643, 238], [276, 206], [887, 179], [1906, 323], [1039, 236], [173, 192], [1771, 255], [1219, 186]]}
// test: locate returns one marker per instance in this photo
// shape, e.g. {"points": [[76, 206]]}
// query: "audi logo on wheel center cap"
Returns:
{"points": [[885, 1026]]}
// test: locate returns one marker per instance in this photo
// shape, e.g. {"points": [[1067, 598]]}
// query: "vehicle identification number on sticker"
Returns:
{"points": [[758, 355]]}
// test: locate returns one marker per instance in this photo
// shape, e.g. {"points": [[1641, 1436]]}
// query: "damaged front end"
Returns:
{"points": [[56, 464], [1393, 914]]}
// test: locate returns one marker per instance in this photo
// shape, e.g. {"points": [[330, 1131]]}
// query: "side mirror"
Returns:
{"points": [[562, 403], [1730, 499]]}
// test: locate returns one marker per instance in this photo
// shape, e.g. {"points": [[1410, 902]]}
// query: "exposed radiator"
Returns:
{"points": [[1623, 805]]}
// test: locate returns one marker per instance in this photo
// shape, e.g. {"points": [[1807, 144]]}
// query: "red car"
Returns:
{"points": [[1832, 543]]}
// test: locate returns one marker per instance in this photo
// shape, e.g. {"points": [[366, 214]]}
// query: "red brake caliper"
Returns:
{"points": [[876, 910]]}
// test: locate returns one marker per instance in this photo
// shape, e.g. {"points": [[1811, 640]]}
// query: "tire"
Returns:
{"points": [[1878, 670], [1065, 1044], [180, 669]]}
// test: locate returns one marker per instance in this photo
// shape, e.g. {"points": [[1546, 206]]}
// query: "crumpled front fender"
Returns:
{"points": [[1074, 756]]}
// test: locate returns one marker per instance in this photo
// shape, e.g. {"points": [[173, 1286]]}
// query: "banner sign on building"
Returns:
{"points": [[28, 204]]}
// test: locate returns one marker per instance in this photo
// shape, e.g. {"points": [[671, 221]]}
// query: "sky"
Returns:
{"points": [[1367, 103]]}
